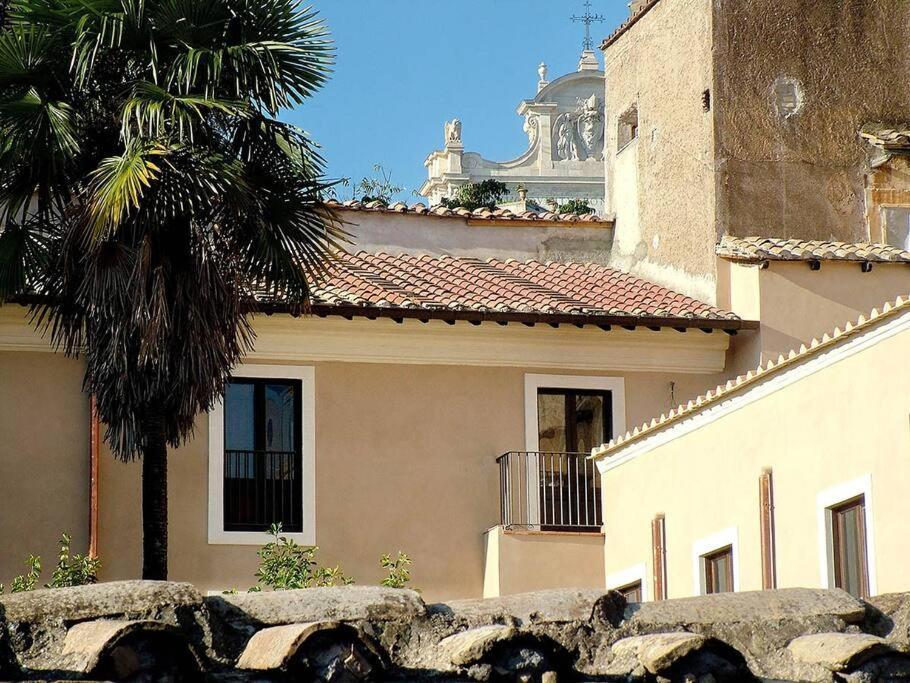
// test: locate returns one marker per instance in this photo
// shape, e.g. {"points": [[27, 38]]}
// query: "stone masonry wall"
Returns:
{"points": [[147, 631]]}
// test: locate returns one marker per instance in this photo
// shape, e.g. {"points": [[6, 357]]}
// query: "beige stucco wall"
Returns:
{"points": [[405, 451], [796, 304], [405, 459], [664, 228], [520, 562], [839, 424], [44, 459], [802, 176], [415, 234]]}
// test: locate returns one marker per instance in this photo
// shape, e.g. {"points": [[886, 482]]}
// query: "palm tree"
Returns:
{"points": [[149, 198]]}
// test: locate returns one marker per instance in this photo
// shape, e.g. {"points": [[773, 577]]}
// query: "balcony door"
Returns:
{"points": [[570, 423], [262, 455]]}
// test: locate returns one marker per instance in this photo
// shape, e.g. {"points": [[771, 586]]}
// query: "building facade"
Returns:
{"points": [[564, 122], [789, 476], [410, 411], [722, 119]]}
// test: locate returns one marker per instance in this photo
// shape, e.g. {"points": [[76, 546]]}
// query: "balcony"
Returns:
{"points": [[549, 492], [262, 488]]}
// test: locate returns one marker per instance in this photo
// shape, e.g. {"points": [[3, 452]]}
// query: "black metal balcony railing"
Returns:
{"points": [[549, 492], [262, 488]]}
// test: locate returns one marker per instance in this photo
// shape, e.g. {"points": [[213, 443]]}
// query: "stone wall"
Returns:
{"points": [[138, 631], [795, 167]]}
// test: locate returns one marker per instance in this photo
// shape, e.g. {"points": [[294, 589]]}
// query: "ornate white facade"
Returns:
{"points": [[565, 157]]}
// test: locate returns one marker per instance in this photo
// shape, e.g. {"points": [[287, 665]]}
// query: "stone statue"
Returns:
{"points": [[531, 128], [453, 131], [566, 149]]}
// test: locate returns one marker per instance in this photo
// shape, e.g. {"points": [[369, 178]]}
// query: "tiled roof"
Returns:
{"points": [[465, 214], [772, 249], [724, 391], [888, 137], [461, 288], [627, 24]]}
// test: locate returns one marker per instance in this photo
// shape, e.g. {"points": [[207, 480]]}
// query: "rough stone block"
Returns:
{"points": [[99, 601], [271, 648], [837, 651], [759, 606], [659, 651], [543, 607], [348, 603], [469, 647]]}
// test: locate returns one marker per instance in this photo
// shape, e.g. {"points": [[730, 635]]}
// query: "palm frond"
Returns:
{"points": [[24, 251], [153, 112], [118, 185]]}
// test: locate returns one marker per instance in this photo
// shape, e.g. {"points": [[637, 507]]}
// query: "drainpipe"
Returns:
{"points": [[94, 474]]}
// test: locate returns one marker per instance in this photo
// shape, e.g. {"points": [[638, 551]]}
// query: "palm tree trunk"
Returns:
{"points": [[154, 500]]}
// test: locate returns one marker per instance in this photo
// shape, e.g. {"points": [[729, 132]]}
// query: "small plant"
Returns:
{"points": [[79, 570], [27, 582], [477, 196], [580, 207], [398, 569], [285, 565], [379, 188]]}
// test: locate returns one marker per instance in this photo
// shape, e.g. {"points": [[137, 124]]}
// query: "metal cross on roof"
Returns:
{"points": [[587, 19]]}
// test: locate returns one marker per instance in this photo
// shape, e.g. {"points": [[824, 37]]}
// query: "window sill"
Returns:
{"points": [[257, 538]]}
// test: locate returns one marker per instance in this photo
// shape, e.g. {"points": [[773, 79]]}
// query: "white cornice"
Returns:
{"points": [[436, 343], [282, 338]]}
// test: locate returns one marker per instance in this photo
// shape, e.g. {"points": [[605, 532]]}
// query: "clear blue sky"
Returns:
{"points": [[406, 66]]}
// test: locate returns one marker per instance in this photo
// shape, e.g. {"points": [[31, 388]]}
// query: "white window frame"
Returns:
{"points": [[831, 498], [628, 576], [615, 385], [707, 546], [216, 533]]}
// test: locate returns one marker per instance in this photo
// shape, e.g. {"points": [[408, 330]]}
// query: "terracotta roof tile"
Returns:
{"points": [[893, 137], [478, 214], [504, 286], [773, 249], [723, 391]]}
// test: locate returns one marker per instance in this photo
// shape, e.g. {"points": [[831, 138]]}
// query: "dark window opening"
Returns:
{"points": [[631, 592], [573, 421], [262, 455], [718, 568], [848, 541], [628, 128], [706, 100]]}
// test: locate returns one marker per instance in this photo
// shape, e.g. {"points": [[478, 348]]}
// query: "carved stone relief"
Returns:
{"points": [[579, 135]]}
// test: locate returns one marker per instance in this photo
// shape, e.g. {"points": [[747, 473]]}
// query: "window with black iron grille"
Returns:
{"points": [[262, 455]]}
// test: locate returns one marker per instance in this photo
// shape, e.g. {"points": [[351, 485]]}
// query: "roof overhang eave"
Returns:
{"points": [[730, 326]]}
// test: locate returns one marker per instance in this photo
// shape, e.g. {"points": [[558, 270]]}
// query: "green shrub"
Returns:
{"points": [[78, 570], [579, 207], [477, 196], [398, 569], [285, 565]]}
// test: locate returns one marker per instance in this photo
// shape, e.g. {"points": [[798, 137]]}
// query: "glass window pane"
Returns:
{"points": [[279, 418], [239, 432], [589, 416], [897, 226], [551, 423]]}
